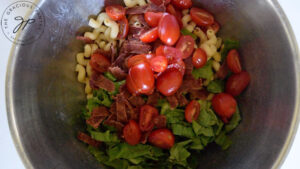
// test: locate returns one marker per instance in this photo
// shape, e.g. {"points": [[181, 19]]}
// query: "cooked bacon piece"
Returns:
{"points": [[117, 72], [160, 121], [154, 98], [135, 47], [188, 66], [121, 109], [136, 101], [173, 101], [145, 137], [146, 8], [181, 99], [98, 115], [198, 94], [84, 39], [87, 139], [98, 81], [112, 121], [137, 26]]}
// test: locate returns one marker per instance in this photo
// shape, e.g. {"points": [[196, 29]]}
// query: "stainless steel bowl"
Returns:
{"points": [[44, 99]]}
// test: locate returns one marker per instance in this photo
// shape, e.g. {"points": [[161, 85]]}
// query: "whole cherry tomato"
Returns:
{"points": [[168, 29], [175, 12], [159, 63], [149, 36], [99, 62], [215, 26], [186, 45], [153, 18], [201, 17], [224, 105], [233, 61], [132, 133], [115, 12], [199, 58], [147, 114], [169, 81], [192, 111], [136, 59], [123, 28], [140, 79], [162, 138], [182, 4], [237, 83]]}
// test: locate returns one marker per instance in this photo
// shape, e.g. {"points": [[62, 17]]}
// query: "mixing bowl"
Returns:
{"points": [[44, 99]]}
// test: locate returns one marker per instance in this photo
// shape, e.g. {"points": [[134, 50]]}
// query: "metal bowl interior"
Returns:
{"points": [[44, 99]]}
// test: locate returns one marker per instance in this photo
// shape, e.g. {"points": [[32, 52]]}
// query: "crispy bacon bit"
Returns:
{"points": [[173, 101], [117, 72], [146, 8], [154, 98], [107, 54], [98, 115], [198, 94], [121, 109], [136, 101], [160, 121], [181, 99], [98, 81], [87, 139], [84, 39], [112, 121]]}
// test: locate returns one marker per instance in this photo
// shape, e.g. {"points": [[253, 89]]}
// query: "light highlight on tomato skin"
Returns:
{"points": [[168, 29], [169, 81]]}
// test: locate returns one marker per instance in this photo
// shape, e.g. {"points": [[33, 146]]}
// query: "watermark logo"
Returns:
{"points": [[24, 18]]}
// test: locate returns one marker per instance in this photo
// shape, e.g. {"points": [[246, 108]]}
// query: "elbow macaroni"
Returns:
{"points": [[114, 27], [81, 73], [88, 88], [188, 23], [209, 46], [80, 59], [133, 3], [198, 32], [87, 50], [89, 70]]}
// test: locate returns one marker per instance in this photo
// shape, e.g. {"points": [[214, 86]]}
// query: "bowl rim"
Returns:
{"points": [[282, 154]]}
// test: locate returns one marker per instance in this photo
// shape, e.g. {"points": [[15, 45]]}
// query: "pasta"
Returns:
{"points": [[81, 60], [88, 88], [217, 57], [216, 65], [198, 32], [89, 70], [93, 23], [91, 35], [209, 46], [94, 47], [185, 12], [133, 3], [81, 73], [219, 43], [87, 50], [188, 23], [114, 27]]}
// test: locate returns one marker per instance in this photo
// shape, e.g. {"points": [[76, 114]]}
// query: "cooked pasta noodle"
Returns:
{"points": [[87, 50], [80, 59], [217, 57], [88, 88], [94, 23], [133, 3], [188, 24], [94, 47], [216, 65], [198, 32], [81, 73], [89, 70]]}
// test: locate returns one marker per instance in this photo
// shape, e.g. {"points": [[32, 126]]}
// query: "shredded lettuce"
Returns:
{"points": [[205, 72], [201, 130], [117, 87], [183, 130], [179, 155], [223, 141], [234, 122], [186, 32], [228, 45], [105, 136], [216, 86], [110, 76]]}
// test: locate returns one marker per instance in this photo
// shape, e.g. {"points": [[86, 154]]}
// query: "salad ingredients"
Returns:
{"points": [[147, 116], [224, 105], [237, 83], [152, 18], [132, 133], [159, 63], [162, 138], [186, 45], [192, 111], [233, 61], [199, 58], [115, 12], [149, 36], [169, 81], [168, 29], [201, 17], [182, 4]]}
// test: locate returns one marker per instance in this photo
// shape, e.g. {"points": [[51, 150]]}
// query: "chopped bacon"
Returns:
{"points": [[154, 98], [198, 94], [112, 121], [181, 99], [87, 139], [84, 39], [136, 101], [98, 115], [117, 72], [160, 121], [98, 81], [121, 109], [146, 8], [145, 136], [173, 101]]}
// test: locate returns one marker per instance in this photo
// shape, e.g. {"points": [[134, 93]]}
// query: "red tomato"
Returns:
{"points": [[140, 79], [162, 138], [159, 63], [169, 81], [149, 36], [168, 29], [233, 61], [160, 50], [159, 2], [199, 58], [123, 28], [176, 13], [182, 4], [201, 17], [178, 64], [149, 56], [132, 133], [99, 62], [172, 53], [115, 12], [215, 26], [192, 111], [237, 83], [224, 105], [186, 45], [147, 114], [135, 60], [152, 18]]}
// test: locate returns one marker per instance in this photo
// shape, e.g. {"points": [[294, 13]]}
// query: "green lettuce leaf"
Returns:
{"points": [[201, 130], [135, 167], [105, 136], [110, 76], [197, 144], [207, 117], [117, 87], [183, 130], [216, 86], [223, 141], [186, 32], [205, 72], [101, 97], [228, 45], [179, 155], [234, 122]]}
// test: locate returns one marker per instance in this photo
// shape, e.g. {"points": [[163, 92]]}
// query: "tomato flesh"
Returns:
{"points": [[168, 29], [147, 114], [159, 63], [169, 81], [233, 61], [182, 4], [153, 18], [162, 138], [237, 83], [176, 13], [135, 60], [215, 27], [224, 105], [99, 62], [140, 79], [123, 28], [202, 17], [186, 45], [115, 12], [149, 36], [132, 133], [192, 111], [199, 58]]}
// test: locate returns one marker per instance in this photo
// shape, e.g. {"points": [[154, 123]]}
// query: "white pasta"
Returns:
{"points": [[107, 47], [101, 29], [80, 59], [198, 32], [216, 65], [90, 35], [185, 12], [209, 49], [219, 43], [87, 50], [133, 3], [102, 44], [212, 37], [88, 88], [107, 34], [81, 73], [114, 27], [188, 23], [94, 47], [217, 57], [94, 23], [101, 17], [89, 70]]}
